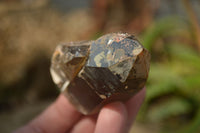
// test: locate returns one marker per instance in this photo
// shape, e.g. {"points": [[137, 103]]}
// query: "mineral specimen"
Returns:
{"points": [[94, 73]]}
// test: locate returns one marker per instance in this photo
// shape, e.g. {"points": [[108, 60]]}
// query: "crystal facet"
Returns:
{"points": [[94, 73]]}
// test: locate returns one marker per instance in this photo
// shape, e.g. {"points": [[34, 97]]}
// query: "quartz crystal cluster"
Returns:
{"points": [[93, 73]]}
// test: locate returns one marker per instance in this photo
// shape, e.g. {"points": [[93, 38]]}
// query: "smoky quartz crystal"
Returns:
{"points": [[93, 73]]}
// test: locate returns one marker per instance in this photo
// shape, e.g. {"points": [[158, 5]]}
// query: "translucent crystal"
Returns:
{"points": [[92, 74]]}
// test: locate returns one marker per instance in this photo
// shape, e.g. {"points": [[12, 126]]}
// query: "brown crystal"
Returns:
{"points": [[94, 73]]}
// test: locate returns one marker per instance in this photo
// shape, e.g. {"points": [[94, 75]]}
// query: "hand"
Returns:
{"points": [[62, 117]]}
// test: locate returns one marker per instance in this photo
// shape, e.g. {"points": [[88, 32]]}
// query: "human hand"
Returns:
{"points": [[62, 117]]}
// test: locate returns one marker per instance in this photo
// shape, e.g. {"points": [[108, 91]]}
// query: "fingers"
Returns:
{"points": [[112, 119], [61, 116], [134, 104], [85, 125], [58, 118]]}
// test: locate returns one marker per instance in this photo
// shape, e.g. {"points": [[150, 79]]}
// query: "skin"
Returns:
{"points": [[62, 117]]}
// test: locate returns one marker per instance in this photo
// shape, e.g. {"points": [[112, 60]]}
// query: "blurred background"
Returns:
{"points": [[169, 29]]}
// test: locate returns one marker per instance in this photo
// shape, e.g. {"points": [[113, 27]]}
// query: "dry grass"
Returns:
{"points": [[27, 33]]}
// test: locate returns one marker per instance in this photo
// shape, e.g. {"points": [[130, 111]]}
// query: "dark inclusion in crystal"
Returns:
{"points": [[94, 73]]}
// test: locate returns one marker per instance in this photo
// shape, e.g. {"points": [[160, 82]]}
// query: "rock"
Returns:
{"points": [[94, 73]]}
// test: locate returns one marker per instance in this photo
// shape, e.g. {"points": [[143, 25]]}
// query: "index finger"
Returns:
{"points": [[57, 118]]}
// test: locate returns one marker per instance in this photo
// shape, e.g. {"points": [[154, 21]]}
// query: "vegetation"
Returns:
{"points": [[173, 86]]}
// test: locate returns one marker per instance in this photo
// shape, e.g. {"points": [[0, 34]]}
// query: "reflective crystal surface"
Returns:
{"points": [[94, 73]]}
